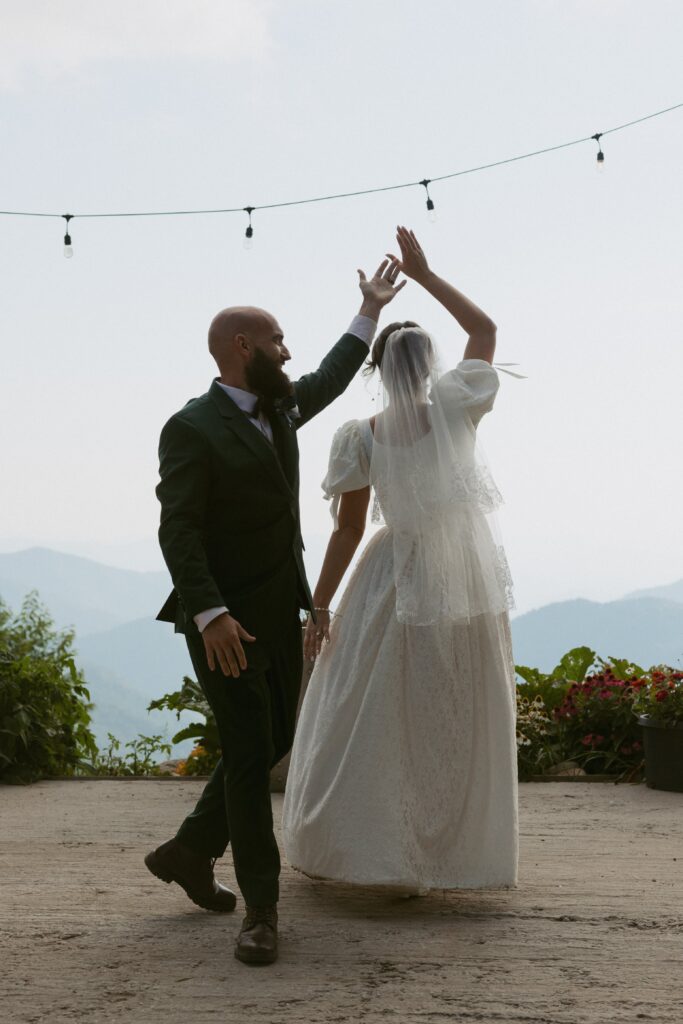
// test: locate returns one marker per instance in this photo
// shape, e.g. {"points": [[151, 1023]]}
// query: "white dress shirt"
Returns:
{"points": [[362, 327], [246, 400]]}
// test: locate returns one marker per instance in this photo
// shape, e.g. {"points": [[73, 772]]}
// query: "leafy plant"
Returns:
{"points": [[537, 748], [199, 762], [44, 702], [552, 687], [661, 698], [596, 723], [207, 750], [141, 759]]}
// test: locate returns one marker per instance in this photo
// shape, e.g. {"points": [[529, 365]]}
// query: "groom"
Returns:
{"points": [[231, 538]]}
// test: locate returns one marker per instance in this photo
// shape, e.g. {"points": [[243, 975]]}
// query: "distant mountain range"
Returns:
{"points": [[129, 659], [79, 592], [669, 592], [646, 630]]}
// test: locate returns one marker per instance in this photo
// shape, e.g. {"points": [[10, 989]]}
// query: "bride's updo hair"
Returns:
{"points": [[415, 345]]}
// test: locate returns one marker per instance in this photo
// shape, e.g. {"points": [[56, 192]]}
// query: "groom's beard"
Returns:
{"points": [[267, 379]]}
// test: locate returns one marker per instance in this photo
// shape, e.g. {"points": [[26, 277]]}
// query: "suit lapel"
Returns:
{"points": [[251, 436], [284, 438]]}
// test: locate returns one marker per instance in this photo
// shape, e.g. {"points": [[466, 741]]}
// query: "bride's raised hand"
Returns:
{"points": [[315, 634], [413, 261]]}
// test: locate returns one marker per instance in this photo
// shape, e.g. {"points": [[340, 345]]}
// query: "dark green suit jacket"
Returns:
{"points": [[230, 531]]}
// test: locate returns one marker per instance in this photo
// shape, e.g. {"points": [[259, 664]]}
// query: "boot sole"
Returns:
{"points": [[256, 957], [159, 871]]}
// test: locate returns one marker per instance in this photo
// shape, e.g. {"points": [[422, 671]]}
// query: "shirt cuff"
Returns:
{"points": [[202, 619], [363, 327]]}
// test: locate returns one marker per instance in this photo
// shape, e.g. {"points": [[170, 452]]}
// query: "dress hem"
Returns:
{"points": [[417, 884]]}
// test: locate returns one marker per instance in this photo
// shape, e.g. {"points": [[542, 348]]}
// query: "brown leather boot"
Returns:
{"points": [[257, 940], [173, 862]]}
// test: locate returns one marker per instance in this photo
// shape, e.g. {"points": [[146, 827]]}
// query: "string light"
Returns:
{"points": [[424, 183], [601, 155], [68, 248], [431, 213], [249, 233]]}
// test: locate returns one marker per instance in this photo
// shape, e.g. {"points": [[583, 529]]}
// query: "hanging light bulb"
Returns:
{"points": [[431, 212], [249, 233], [68, 248], [601, 155]]}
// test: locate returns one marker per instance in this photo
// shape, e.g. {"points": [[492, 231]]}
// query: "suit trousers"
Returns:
{"points": [[256, 717]]}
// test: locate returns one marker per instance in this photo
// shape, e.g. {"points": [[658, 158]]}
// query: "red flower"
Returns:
{"points": [[661, 695], [587, 740]]}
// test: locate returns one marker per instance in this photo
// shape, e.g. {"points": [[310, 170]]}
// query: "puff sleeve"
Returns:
{"points": [[471, 386], [349, 466]]}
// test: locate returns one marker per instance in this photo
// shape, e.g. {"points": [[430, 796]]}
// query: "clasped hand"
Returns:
{"points": [[315, 634]]}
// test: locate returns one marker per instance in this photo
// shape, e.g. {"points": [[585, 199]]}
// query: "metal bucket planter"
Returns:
{"points": [[663, 754]]}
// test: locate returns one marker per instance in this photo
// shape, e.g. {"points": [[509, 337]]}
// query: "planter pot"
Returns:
{"points": [[663, 755]]}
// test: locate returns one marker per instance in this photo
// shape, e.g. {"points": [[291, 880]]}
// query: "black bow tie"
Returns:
{"points": [[286, 405]]}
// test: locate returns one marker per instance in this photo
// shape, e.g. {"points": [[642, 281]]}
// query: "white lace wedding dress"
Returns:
{"points": [[403, 770]]}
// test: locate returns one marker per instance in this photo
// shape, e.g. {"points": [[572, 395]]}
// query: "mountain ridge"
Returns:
{"points": [[129, 659]]}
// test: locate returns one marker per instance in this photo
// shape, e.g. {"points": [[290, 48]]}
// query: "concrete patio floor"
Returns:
{"points": [[593, 933]]}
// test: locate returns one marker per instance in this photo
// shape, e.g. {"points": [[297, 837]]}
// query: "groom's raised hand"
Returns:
{"points": [[223, 644], [381, 288]]}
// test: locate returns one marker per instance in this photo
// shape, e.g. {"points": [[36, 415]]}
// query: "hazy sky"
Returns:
{"points": [[171, 104]]}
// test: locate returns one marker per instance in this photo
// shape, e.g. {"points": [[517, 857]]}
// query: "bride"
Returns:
{"points": [[403, 771]]}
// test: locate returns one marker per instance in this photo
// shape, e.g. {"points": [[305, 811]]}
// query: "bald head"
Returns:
{"points": [[234, 320], [236, 333]]}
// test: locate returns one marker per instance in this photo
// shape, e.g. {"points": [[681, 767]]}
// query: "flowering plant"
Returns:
{"points": [[660, 698], [198, 762], [536, 736], [595, 719]]}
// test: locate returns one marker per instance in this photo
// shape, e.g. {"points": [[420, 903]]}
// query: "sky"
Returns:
{"points": [[169, 104]]}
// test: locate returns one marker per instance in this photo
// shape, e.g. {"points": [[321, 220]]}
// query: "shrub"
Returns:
{"points": [[661, 698], [44, 703], [199, 762], [536, 736], [138, 761], [206, 753], [596, 723]]}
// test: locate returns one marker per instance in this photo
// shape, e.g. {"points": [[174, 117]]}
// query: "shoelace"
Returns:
{"points": [[260, 915]]}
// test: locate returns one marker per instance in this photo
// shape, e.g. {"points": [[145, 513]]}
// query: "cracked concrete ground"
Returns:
{"points": [[593, 933]]}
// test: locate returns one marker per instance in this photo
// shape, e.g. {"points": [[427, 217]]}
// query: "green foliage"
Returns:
{"points": [[596, 725], [199, 762], [44, 703], [140, 760], [661, 699], [537, 747], [584, 711], [207, 751], [551, 687]]}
